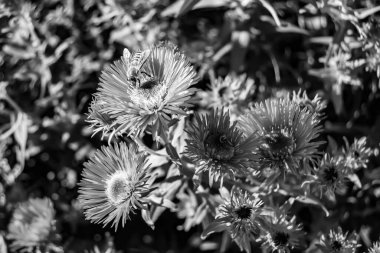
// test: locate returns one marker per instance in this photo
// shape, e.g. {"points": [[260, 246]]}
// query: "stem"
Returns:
{"points": [[141, 144]]}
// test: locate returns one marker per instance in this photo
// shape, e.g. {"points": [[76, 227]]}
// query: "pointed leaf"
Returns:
{"points": [[214, 227]]}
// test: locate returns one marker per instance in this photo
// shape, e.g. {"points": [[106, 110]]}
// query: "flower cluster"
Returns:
{"points": [[245, 217], [256, 155], [264, 137]]}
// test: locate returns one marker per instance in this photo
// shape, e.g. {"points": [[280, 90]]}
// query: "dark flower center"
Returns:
{"points": [[279, 144], [280, 239], [330, 174], [222, 91], [218, 146], [244, 212], [336, 246], [356, 154]]}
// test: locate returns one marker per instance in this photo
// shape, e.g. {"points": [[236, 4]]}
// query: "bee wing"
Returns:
{"points": [[141, 57], [126, 54]]}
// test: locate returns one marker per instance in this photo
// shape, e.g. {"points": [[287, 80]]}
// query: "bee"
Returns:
{"points": [[136, 62]]}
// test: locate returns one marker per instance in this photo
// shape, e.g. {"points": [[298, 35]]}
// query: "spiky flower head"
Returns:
{"points": [[288, 135], [356, 155], [99, 120], [283, 233], [340, 69], [314, 106], [32, 226], [148, 88], [115, 182], [241, 214], [216, 145], [338, 242], [375, 248], [233, 92], [330, 177]]}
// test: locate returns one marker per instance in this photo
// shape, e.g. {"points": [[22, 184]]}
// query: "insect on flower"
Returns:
{"points": [[136, 62]]}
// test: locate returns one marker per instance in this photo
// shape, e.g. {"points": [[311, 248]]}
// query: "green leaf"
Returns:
{"points": [[187, 6], [364, 13], [310, 201]]}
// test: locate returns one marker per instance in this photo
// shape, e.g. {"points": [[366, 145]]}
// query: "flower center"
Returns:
{"points": [[218, 146], [336, 246], [222, 91], [119, 188], [280, 144], [243, 212], [356, 154], [330, 174], [280, 238]]}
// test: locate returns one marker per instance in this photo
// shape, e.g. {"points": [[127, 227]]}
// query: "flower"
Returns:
{"points": [[233, 92], [241, 215], [288, 135], [115, 182], [218, 147], [356, 155], [331, 176], [100, 121], [283, 234], [33, 226], [340, 69], [375, 248], [147, 88], [337, 242]]}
